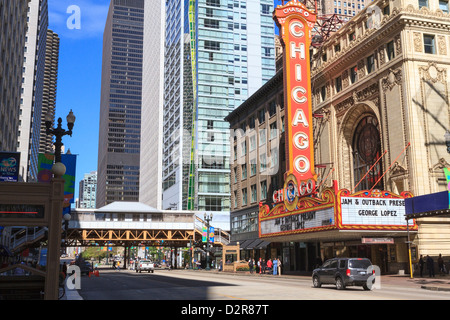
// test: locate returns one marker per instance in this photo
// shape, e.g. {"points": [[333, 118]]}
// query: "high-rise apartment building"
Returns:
{"points": [[346, 9], [13, 26], [88, 191], [150, 176], [32, 88], [49, 92], [120, 108], [217, 53]]}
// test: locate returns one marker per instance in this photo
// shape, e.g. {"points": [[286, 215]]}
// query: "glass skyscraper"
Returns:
{"points": [[120, 106], [217, 53]]}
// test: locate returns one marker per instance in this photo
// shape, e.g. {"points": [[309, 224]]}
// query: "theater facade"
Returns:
{"points": [[327, 151]]}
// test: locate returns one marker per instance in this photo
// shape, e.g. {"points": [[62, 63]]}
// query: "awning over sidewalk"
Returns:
{"points": [[434, 204], [251, 244], [258, 244]]}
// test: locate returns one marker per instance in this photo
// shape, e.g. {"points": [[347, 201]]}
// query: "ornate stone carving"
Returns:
{"points": [[442, 46], [438, 167], [381, 55], [393, 78], [361, 70], [398, 45], [366, 93], [345, 80], [432, 73], [417, 40], [398, 170]]}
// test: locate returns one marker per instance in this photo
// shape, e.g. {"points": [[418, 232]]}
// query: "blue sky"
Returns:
{"points": [[79, 75]]}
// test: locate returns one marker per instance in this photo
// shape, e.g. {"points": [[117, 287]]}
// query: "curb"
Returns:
{"points": [[435, 288]]}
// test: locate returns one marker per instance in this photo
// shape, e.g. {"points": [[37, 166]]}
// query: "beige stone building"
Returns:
{"points": [[380, 105], [383, 79]]}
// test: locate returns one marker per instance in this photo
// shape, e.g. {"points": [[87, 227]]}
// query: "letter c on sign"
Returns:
{"points": [[294, 32], [295, 96]]}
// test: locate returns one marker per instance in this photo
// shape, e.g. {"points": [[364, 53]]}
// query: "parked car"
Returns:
{"points": [[145, 265], [85, 267], [343, 272]]}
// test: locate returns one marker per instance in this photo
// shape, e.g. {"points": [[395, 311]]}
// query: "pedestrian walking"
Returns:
{"points": [[421, 265], [64, 269], [118, 265], [250, 265], [275, 266], [430, 266], [279, 266], [441, 264], [269, 264], [259, 265], [263, 266]]}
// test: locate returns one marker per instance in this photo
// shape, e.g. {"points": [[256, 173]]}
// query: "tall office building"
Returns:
{"points": [[120, 109], [346, 9], [150, 177], [217, 53], [49, 92], [32, 88], [13, 26], [88, 191]]}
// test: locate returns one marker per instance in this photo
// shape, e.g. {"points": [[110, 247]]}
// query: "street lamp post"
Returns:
{"points": [[208, 218], [447, 140], [59, 132]]}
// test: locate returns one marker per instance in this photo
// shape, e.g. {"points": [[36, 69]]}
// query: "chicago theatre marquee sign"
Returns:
{"points": [[297, 208]]}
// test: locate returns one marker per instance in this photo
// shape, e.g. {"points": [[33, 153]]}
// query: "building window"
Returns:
{"points": [[428, 43], [367, 150], [263, 190], [423, 3], [253, 193], [252, 167], [443, 5], [323, 93], [273, 130], [390, 50], [244, 197], [262, 162], [244, 171], [353, 74], [370, 64], [337, 48], [338, 84], [261, 116], [351, 36]]}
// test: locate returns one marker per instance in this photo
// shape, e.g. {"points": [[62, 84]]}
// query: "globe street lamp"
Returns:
{"points": [[59, 132], [208, 218]]}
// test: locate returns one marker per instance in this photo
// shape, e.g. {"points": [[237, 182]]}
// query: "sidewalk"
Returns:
{"points": [[438, 283]]}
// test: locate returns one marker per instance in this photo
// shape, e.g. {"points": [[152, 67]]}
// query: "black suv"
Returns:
{"points": [[344, 272]]}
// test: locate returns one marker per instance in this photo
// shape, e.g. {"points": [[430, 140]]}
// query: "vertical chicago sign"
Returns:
{"points": [[295, 22]]}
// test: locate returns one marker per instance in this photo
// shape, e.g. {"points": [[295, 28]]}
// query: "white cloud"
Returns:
{"points": [[91, 18]]}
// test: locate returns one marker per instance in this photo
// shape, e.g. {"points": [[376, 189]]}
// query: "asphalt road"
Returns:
{"points": [[202, 285]]}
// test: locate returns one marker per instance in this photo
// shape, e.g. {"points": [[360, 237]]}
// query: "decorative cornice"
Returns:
{"points": [[398, 18]]}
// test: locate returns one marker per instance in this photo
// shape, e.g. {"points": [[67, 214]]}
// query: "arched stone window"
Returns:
{"points": [[366, 152]]}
